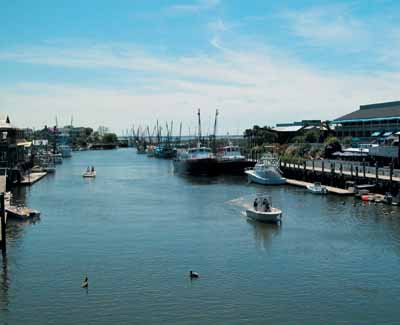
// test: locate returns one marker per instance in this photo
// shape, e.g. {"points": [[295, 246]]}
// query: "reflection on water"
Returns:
{"points": [[4, 284], [222, 179], [264, 233]]}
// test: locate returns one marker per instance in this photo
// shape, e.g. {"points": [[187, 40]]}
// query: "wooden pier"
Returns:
{"points": [[330, 189], [32, 178], [338, 174]]}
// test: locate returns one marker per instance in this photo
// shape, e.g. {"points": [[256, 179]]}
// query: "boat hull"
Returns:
{"points": [[234, 167], [274, 216], [205, 166], [89, 174], [318, 191], [272, 180]]}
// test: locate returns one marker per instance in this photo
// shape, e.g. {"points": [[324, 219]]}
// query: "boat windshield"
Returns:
{"points": [[199, 150]]}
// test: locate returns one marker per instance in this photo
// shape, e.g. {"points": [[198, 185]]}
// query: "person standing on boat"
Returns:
{"points": [[266, 206], [255, 204]]}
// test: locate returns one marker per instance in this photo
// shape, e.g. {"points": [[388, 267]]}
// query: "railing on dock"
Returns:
{"points": [[338, 173]]}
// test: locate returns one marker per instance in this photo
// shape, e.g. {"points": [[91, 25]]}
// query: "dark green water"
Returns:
{"points": [[137, 230]]}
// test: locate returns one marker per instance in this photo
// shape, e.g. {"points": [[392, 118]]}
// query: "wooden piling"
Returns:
{"points": [[3, 224], [363, 165]]}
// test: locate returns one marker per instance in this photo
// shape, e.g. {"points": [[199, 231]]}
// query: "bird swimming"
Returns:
{"points": [[85, 282], [194, 275]]}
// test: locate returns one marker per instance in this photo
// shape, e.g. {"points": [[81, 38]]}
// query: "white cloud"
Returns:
{"points": [[330, 26], [250, 85]]}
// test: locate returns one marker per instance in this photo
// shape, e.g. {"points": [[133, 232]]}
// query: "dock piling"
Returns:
{"points": [[3, 224]]}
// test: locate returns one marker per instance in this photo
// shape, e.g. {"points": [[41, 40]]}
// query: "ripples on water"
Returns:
{"points": [[137, 230]]}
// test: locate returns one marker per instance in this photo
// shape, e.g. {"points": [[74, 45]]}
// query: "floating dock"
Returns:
{"points": [[21, 213], [330, 189], [32, 178]]}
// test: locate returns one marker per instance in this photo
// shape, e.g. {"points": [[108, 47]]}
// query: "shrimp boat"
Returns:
{"points": [[198, 160], [89, 173], [266, 171], [263, 211], [231, 161], [317, 188]]}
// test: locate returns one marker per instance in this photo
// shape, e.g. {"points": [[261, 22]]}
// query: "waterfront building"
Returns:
{"points": [[287, 131], [370, 122], [13, 155]]}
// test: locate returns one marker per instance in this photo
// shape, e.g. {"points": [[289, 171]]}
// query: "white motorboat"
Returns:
{"points": [[317, 188], [266, 171], [263, 211], [89, 173]]}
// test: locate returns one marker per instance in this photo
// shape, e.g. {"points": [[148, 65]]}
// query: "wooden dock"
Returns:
{"points": [[330, 189], [21, 213], [32, 178], [368, 174]]}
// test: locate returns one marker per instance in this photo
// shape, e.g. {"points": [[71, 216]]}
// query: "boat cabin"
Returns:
{"points": [[230, 152]]}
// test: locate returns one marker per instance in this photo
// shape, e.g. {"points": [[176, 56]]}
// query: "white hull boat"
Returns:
{"points": [[272, 178], [266, 172], [317, 188], [89, 174], [274, 215]]}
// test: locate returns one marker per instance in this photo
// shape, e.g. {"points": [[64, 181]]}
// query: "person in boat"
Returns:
{"points": [[267, 207], [92, 169], [255, 204], [88, 169], [263, 205]]}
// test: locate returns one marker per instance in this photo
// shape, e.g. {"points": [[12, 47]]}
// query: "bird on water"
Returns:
{"points": [[85, 282], [194, 275]]}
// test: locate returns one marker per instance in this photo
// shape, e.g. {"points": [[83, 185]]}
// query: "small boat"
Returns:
{"points": [[317, 188], [266, 171], [37, 169], [89, 173], [263, 211], [21, 213]]}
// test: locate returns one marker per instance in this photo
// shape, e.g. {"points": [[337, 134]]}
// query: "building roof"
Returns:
{"points": [[291, 128], [5, 122], [381, 111]]}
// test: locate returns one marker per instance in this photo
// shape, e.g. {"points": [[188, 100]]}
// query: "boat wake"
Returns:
{"points": [[243, 202]]}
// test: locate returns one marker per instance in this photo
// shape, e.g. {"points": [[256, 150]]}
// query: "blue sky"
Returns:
{"points": [[119, 63]]}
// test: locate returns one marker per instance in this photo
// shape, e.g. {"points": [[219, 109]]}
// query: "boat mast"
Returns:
{"points": [[199, 130], [215, 132], [158, 134], [180, 132]]}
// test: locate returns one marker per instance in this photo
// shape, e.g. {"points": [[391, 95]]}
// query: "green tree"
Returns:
{"points": [[110, 138]]}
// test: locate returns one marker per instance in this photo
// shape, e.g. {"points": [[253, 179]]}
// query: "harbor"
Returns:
{"points": [[139, 217], [197, 162]]}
